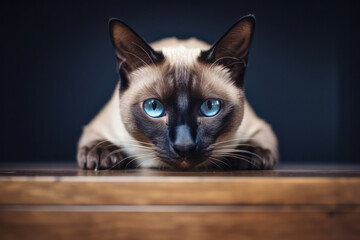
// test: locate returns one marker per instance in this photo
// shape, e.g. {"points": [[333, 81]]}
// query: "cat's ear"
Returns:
{"points": [[131, 50], [232, 49]]}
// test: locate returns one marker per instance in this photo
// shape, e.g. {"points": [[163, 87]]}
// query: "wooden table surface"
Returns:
{"points": [[292, 202]]}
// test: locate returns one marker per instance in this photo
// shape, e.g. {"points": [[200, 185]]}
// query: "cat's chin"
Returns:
{"points": [[181, 164], [184, 164]]}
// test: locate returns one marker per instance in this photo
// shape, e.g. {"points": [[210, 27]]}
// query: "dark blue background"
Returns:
{"points": [[58, 69]]}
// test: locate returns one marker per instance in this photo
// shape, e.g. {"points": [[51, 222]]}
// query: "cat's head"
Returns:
{"points": [[180, 100]]}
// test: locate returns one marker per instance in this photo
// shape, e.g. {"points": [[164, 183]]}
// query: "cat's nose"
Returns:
{"points": [[184, 149], [184, 142]]}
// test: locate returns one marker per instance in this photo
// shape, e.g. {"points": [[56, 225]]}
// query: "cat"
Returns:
{"points": [[179, 104]]}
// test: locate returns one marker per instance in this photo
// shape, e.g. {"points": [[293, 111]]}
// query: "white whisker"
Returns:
{"points": [[139, 147], [139, 156], [240, 157], [132, 156], [232, 146], [151, 159], [139, 142], [215, 164], [215, 159], [98, 144], [231, 140], [239, 151]]}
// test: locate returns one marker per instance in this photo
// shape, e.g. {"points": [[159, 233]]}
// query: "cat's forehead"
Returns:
{"points": [[183, 72], [181, 56]]}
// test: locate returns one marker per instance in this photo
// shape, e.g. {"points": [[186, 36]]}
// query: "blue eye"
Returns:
{"points": [[210, 107], [154, 108]]}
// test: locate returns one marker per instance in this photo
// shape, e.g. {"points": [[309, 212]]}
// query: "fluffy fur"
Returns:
{"points": [[116, 130]]}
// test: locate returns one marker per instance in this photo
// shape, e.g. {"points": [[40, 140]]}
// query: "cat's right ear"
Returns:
{"points": [[132, 51], [232, 49]]}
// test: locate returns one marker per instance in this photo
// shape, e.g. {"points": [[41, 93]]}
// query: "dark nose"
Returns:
{"points": [[184, 142], [184, 149]]}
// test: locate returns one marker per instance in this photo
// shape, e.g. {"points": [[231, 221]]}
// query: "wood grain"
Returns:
{"points": [[131, 205], [183, 190], [178, 225], [61, 171]]}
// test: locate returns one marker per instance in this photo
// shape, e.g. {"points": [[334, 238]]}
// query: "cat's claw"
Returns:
{"points": [[99, 155]]}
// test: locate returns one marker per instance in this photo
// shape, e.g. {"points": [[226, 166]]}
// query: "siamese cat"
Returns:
{"points": [[179, 104]]}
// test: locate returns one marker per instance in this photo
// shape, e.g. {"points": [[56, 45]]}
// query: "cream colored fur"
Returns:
{"points": [[107, 125]]}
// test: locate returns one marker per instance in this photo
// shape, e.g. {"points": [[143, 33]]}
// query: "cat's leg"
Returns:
{"points": [[100, 154], [96, 148], [249, 156], [261, 150], [258, 145], [252, 156], [97, 152], [257, 148], [265, 145]]}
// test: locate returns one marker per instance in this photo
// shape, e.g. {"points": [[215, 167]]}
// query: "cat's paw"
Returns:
{"points": [[99, 155], [262, 159], [250, 156]]}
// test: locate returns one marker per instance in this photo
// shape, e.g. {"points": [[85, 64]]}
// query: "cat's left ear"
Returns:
{"points": [[131, 50], [232, 50]]}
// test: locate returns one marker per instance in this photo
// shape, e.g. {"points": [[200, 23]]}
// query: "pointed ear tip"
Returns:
{"points": [[112, 21], [115, 21], [249, 18]]}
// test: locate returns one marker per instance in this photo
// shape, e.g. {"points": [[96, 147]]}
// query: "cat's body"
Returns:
{"points": [[122, 135]]}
